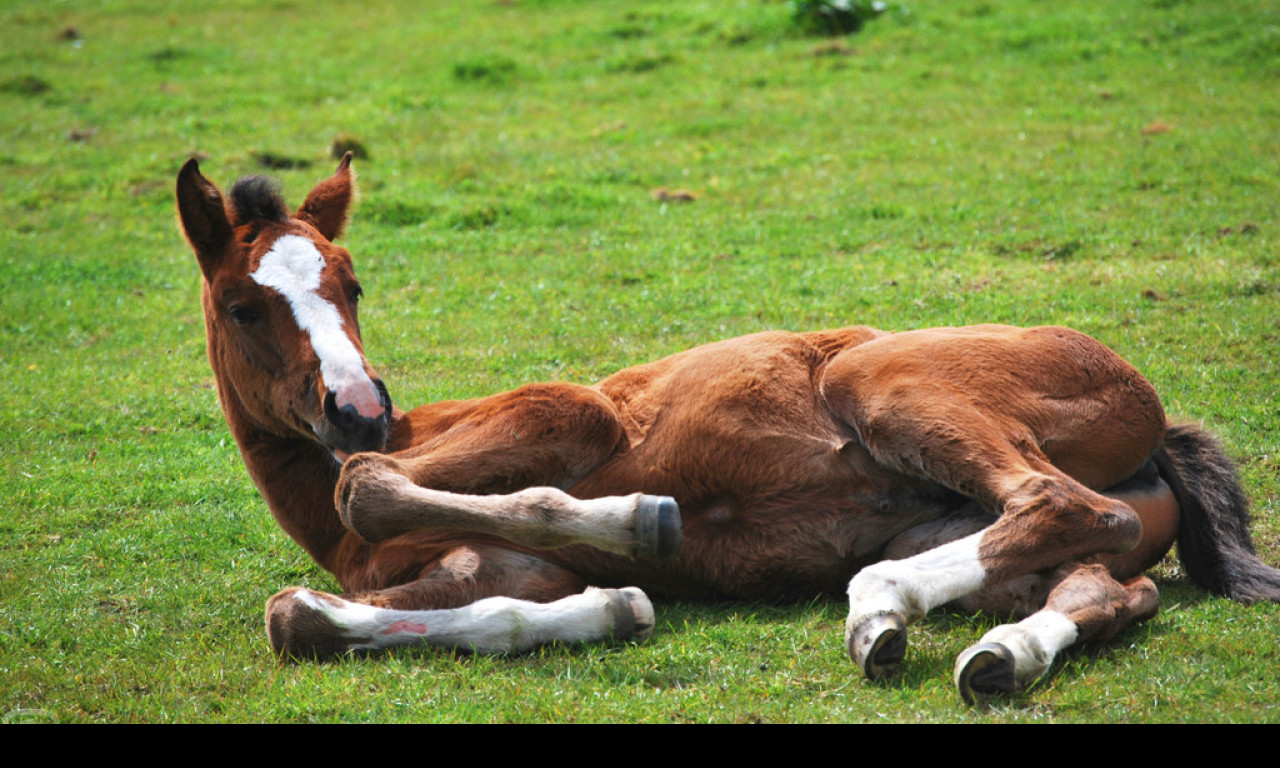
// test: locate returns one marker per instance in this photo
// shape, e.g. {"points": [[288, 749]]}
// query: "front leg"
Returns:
{"points": [[377, 500], [477, 597], [303, 623]]}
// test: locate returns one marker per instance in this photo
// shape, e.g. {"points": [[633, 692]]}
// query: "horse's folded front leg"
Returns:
{"points": [[302, 623], [378, 501]]}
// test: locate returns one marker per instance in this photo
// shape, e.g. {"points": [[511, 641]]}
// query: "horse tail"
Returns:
{"points": [[1213, 532]]}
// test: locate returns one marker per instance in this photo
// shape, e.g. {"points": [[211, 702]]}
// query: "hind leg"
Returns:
{"points": [[991, 413], [1146, 493], [1086, 604], [1075, 603], [483, 599], [1021, 596], [1048, 519]]}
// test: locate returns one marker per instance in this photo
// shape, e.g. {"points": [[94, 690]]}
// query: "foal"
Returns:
{"points": [[1020, 471]]}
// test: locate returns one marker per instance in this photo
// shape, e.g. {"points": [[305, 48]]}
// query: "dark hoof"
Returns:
{"points": [[298, 631], [985, 671], [632, 613], [878, 644], [658, 528]]}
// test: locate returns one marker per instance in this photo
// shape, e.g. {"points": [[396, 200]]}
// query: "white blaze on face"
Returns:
{"points": [[293, 267]]}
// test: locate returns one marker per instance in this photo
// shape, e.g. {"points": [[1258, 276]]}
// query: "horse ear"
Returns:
{"points": [[203, 216], [327, 205]]}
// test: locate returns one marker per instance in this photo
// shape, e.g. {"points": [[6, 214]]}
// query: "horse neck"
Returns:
{"points": [[297, 477]]}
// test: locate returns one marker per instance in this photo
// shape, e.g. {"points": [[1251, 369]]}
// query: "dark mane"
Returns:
{"points": [[257, 198]]}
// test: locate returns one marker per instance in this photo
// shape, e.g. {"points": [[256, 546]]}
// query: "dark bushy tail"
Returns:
{"points": [[1213, 534]]}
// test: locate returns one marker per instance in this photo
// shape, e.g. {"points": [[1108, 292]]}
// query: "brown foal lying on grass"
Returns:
{"points": [[1024, 471]]}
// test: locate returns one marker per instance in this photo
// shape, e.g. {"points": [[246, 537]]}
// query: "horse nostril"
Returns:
{"points": [[351, 431], [331, 409], [343, 418], [383, 395]]}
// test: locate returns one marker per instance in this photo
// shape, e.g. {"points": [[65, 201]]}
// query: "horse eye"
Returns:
{"points": [[242, 315], [356, 294]]}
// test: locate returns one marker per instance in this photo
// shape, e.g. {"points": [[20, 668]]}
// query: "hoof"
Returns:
{"points": [[298, 630], [368, 486], [877, 644], [632, 613], [658, 528], [985, 671]]}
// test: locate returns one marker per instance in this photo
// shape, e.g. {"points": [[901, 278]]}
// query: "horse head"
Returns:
{"points": [[280, 306]]}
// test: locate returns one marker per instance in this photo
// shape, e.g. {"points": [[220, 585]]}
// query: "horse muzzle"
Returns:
{"points": [[346, 430]]}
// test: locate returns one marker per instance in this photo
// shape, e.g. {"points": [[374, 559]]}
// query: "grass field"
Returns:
{"points": [[1110, 166]]}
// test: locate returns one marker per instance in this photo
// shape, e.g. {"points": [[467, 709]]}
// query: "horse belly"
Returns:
{"points": [[781, 547], [779, 499], [795, 550]]}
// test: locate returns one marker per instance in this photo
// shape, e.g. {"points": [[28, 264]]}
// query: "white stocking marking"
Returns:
{"points": [[1034, 642], [911, 587], [492, 625]]}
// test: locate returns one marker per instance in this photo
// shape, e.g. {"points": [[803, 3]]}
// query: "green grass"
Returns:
{"points": [[1111, 166]]}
